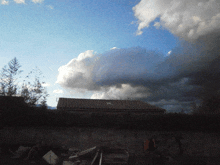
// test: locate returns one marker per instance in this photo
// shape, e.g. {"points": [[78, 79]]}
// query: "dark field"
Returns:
{"points": [[33, 117], [199, 148], [201, 138]]}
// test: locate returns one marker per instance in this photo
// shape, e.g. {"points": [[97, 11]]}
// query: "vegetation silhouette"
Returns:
{"points": [[31, 90], [39, 117]]}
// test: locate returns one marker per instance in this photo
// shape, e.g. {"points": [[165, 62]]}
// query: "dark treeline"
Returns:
{"points": [[39, 117], [31, 87]]}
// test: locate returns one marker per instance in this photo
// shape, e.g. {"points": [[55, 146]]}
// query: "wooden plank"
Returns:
{"points": [[97, 153], [100, 161]]}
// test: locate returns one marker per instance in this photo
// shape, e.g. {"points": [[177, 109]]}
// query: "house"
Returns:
{"points": [[8, 103], [107, 106], [12, 102]]}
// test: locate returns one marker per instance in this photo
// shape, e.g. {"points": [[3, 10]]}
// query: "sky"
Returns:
{"points": [[163, 52]]}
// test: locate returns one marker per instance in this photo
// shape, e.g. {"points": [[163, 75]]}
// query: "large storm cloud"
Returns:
{"points": [[133, 66], [189, 73]]}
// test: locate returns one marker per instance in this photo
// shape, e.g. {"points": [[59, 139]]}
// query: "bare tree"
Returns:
{"points": [[8, 86], [33, 91], [32, 88]]}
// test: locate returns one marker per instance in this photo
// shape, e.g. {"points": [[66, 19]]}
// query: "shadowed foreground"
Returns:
{"points": [[198, 147]]}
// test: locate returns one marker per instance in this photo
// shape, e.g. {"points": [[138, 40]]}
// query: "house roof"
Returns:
{"points": [[105, 104], [11, 101]]}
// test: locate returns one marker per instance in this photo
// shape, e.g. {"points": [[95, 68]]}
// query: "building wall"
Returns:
{"points": [[137, 111]]}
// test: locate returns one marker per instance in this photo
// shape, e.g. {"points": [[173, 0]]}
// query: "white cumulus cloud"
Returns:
{"points": [[188, 19], [78, 72], [169, 52], [58, 91], [19, 1], [116, 74], [46, 84], [50, 7], [37, 1], [4, 2], [157, 25], [113, 48], [126, 91]]}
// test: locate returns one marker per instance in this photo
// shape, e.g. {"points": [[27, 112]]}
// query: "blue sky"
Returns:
{"points": [[50, 33]]}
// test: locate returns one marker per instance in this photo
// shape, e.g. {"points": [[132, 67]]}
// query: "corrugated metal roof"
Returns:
{"points": [[105, 104]]}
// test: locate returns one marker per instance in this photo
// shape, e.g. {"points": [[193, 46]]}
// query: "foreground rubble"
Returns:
{"points": [[72, 156], [98, 155], [92, 156], [88, 146]]}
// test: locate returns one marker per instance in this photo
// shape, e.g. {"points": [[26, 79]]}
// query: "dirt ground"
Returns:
{"points": [[7, 160], [199, 148]]}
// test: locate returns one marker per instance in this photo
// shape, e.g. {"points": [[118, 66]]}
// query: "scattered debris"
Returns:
{"points": [[73, 151], [115, 155], [68, 163], [96, 155], [100, 160], [21, 151], [88, 151], [85, 153], [99, 156], [163, 152], [83, 162], [104, 155], [51, 157], [149, 145]]}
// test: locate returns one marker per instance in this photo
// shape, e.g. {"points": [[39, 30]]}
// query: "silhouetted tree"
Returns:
{"points": [[33, 91], [194, 108], [8, 86], [32, 88], [211, 104]]}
